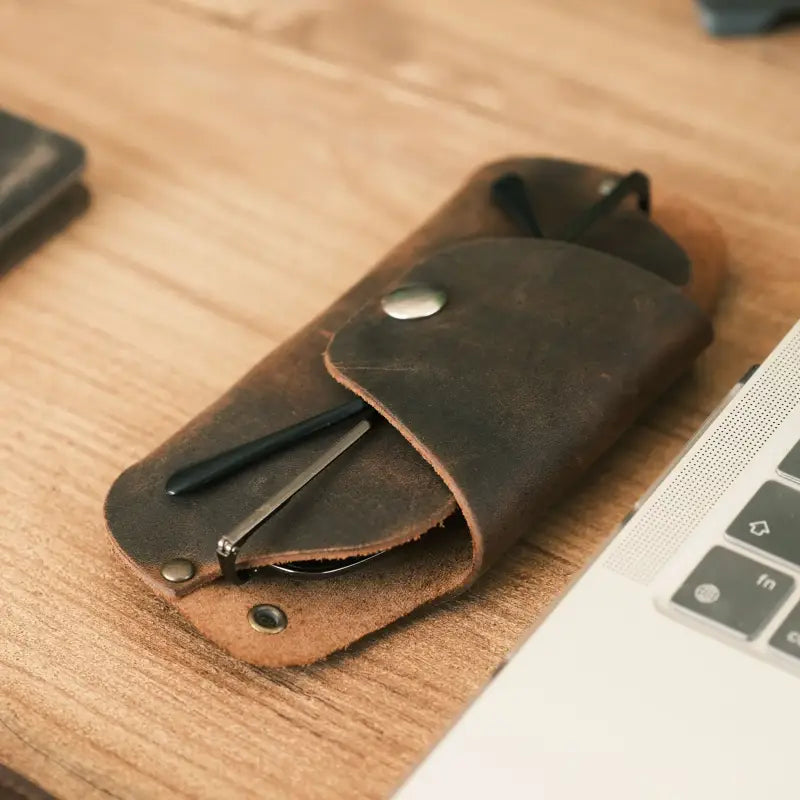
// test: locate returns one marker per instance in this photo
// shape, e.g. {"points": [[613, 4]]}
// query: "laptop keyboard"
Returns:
{"points": [[728, 589]]}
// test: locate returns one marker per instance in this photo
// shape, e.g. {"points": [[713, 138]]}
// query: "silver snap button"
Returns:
{"points": [[607, 186], [177, 570], [265, 618], [414, 301]]}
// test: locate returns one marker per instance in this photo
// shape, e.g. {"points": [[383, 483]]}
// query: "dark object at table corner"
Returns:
{"points": [[14, 787], [745, 17], [52, 219]]}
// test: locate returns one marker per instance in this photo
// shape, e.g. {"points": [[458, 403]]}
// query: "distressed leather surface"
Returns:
{"points": [[610, 307], [544, 354]]}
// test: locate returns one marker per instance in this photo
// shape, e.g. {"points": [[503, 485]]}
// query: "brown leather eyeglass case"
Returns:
{"points": [[544, 352]]}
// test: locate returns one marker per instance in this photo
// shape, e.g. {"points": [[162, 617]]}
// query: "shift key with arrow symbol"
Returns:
{"points": [[770, 522], [759, 528]]}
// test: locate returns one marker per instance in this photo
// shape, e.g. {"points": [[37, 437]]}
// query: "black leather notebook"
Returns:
{"points": [[40, 185]]}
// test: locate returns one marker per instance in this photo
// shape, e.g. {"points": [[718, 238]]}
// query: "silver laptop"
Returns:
{"points": [[671, 668]]}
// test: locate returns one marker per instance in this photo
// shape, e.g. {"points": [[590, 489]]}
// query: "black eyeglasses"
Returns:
{"points": [[510, 194]]}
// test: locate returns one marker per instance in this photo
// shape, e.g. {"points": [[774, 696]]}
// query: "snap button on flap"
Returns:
{"points": [[414, 301]]}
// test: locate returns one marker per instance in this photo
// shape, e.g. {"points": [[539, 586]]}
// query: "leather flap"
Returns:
{"points": [[542, 356]]}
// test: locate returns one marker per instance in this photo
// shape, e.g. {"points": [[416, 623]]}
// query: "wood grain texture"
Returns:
{"points": [[250, 159]]}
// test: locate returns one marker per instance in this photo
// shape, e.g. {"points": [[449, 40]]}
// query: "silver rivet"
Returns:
{"points": [[177, 570], [267, 619], [414, 301], [607, 185]]}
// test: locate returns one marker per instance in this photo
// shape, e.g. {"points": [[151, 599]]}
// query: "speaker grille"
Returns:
{"points": [[655, 533]]}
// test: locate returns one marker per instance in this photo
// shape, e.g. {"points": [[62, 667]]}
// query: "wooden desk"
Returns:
{"points": [[250, 159]]}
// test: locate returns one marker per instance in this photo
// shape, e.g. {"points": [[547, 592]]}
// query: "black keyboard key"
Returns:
{"points": [[790, 466], [787, 637], [771, 522], [734, 591]]}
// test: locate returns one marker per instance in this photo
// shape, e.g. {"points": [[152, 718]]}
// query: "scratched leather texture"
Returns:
{"points": [[542, 356]]}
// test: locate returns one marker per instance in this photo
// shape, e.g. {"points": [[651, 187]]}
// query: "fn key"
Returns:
{"points": [[734, 591]]}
